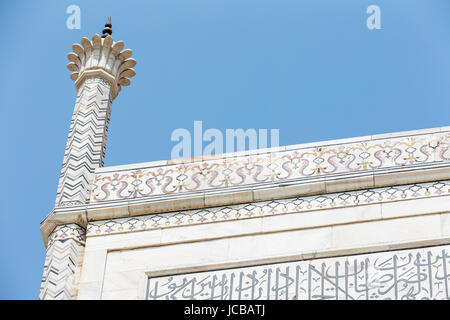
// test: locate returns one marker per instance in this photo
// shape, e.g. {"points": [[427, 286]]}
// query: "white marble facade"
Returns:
{"points": [[142, 247], [360, 218], [119, 265]]}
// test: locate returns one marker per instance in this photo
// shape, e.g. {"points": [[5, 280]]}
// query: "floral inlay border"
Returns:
{"points": [[283, 166], [268, 208], [67, 231]]}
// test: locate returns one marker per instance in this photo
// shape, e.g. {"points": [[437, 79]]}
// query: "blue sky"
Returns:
{"points": [[310, 68]]}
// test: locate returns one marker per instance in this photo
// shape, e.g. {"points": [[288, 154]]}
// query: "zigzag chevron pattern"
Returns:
{"points": [[86, 144], [62, 263], [85, 151]]}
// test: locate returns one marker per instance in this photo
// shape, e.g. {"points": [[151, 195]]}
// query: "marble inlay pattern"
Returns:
{"points": [[86, 144], [267, 208], [67, 231], [283, 166], [401, 275], [64, 255]]}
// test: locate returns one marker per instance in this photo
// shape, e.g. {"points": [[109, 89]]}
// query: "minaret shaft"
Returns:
{"points": [[85, 149], [99, 68]]}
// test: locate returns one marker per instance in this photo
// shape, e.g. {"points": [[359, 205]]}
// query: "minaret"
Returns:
{"points": [[99, 68]]}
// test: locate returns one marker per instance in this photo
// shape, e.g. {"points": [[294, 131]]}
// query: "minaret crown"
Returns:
{"points": [[102, 58]]}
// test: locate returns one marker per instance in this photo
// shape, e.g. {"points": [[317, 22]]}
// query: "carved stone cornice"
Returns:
{"points": [[423, 156]]}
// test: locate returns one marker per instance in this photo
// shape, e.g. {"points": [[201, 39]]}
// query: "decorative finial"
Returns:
{"points": [[102, 58], [107, 30]]}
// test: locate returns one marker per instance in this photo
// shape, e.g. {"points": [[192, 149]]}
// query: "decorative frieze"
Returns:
{"points": [[288, 166], [269, 208]]}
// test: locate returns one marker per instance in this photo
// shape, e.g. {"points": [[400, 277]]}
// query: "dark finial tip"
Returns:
{"points": [[107, 31]]}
